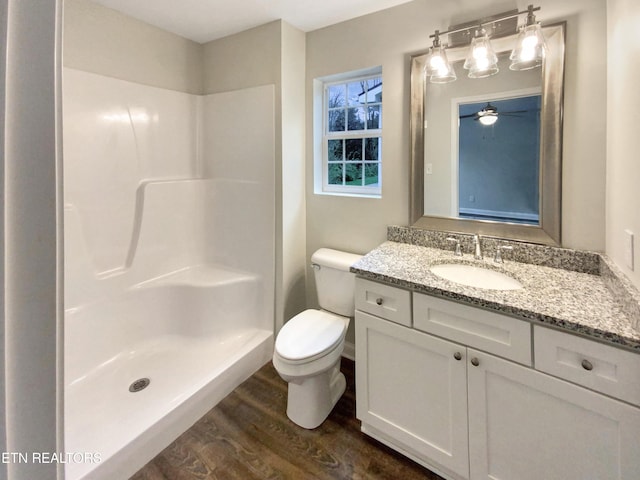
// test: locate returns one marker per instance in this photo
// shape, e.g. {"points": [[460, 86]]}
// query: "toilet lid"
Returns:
{"points": [[309, 334]]}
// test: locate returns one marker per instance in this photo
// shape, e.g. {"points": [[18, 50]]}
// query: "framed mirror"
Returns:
{"points": [[500, 178]]}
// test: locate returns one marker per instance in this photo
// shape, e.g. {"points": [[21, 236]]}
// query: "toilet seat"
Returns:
{"points": [[310, 335]]}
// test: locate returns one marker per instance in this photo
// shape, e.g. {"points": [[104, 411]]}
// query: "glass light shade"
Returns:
{"points": [[437, 67], [436, 60], [530, 49], [483, 72], [488, 119], [481, 61], [444, 76]]}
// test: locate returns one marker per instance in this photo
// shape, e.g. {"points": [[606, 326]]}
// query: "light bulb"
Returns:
{"points": [[436, 62], [530, 41], [480, 52], [482, 63]]}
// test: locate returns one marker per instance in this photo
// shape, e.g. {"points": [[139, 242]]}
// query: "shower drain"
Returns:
{"points": [[139, 384]]}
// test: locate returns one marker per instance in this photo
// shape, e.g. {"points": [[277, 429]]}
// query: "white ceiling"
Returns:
{"points": [[206, 20]]}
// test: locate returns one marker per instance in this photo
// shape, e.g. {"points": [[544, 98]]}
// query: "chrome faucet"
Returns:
{"points": [[458, 247], [478, 250], [498, 257]]}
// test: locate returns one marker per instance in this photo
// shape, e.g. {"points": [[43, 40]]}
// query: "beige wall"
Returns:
{"points": [[623, 118], [294, 212], [104, 41], [247, 59]]}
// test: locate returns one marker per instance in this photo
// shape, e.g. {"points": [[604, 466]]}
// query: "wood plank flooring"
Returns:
{"points": [[248, 436]]}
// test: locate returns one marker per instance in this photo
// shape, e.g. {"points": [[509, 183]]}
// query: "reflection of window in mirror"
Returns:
{"points": [[498, 146]]}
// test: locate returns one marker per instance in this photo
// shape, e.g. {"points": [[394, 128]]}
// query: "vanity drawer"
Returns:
{"points": [[384, 301], [600, 367], [492, 332]]}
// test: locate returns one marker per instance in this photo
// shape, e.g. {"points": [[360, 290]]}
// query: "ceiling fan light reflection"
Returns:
{"points": [[488, 119]]}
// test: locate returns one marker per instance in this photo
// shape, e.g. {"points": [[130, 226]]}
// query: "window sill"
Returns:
{"points": [[346, 194]]}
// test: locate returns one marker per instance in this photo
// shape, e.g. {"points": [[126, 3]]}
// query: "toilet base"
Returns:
{"points": [[310, 401]]}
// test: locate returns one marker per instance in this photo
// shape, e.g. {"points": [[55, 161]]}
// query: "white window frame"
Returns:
{"points": [[349, 190]]}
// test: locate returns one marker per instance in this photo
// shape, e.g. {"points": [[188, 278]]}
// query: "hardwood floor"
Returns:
{"points": [[248, 436]]}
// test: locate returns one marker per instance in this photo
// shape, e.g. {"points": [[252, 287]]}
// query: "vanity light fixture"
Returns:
{"points": [[482, 61]]}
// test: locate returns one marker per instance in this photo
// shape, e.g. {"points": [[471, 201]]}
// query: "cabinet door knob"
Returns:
{"points": [[475, 362], [378, 301], [457, 356], [587, 365]]}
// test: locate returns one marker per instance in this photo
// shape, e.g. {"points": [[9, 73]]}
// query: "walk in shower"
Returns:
{"points": [[169, 260]]}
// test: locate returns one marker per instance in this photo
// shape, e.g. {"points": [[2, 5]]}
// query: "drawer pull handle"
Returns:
{"points": [[587, 365], [457, 356], [475, 362], [378, 301]]}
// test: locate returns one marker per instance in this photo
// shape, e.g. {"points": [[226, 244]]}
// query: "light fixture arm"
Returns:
{"points": [[480, 25], [436, 38], [531, 18]]}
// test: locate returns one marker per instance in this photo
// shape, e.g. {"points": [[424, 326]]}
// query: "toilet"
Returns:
{"points": [[309, 346]]}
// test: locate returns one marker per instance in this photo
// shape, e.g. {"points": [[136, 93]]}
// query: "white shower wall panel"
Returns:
{"points": [[117, 134], [238, 150]]}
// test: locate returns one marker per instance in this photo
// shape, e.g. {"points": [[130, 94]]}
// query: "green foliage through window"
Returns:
{"points": [[353, 134]]}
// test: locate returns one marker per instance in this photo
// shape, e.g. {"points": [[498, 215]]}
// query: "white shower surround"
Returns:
{"points": [[169, 260]]}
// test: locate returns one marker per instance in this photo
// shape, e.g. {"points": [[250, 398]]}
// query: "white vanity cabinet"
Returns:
{"points": [[411, 393], [478, 395], [526, 425]]}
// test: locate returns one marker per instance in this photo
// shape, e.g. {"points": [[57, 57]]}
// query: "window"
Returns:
{"points": [[352, 136]]}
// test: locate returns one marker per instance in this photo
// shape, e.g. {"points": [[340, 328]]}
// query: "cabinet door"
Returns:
{"points": [[411, 387], [526, 425]]}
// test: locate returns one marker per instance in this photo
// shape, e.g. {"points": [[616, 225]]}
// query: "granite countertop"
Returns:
{"points": [[570, 300]]}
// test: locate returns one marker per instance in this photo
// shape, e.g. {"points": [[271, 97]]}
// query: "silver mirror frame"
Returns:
{"points": [[549, 230]]}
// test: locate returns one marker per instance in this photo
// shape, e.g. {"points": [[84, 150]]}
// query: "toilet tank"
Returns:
{"points": [[334, 283]]}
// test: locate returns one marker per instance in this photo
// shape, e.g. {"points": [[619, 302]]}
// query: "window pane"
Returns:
{"points": [[335, 173], [355, 93], [336, 96], [372, 148], [353, 149], [370, 173], [336, 120], [356, 117], [334, 150], [352, 158], [353, 174], [373, 117], [374, 90]]}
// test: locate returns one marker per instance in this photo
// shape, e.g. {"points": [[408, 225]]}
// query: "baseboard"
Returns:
{"points": [[349, 351]]}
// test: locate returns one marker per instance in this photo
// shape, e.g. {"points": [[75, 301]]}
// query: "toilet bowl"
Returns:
{"points": [[309, 347], [307, 355]]}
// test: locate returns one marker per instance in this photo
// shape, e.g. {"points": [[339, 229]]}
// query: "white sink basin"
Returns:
{"points": [[476, 276]]}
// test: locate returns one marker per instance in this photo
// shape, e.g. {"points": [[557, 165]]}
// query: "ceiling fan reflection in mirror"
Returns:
{"points": [[488, 115]]}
